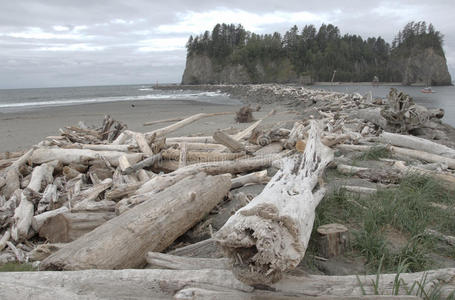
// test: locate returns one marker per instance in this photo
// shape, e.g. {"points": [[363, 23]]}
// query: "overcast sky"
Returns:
{"points": [[87, 42]]}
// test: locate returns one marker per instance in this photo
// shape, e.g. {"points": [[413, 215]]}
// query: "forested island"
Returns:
{"points": [[230, 54]]}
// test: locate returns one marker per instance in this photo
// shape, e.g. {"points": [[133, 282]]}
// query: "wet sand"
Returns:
{"points": [[21, 130]]}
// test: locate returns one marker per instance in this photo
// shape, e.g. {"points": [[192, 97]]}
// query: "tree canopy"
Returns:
{"points": [[316, 52]]}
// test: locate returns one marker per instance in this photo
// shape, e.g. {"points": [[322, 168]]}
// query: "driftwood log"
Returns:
{"points": [[211, 284], [152, 226], [270, 234]]}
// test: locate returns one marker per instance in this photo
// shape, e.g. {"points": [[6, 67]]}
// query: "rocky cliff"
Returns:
{"points": [[200, 69], [424, 67]]}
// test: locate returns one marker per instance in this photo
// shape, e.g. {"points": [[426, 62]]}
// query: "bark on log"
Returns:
{"points": [[333, 239], [152, 226], [67, 227], [270, 234], [416, 143], [211, 284]]}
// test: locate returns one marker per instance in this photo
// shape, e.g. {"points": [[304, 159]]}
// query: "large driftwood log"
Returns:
{"points": [[67, 227], [212, 284], [416, 143], [270, 234], [152, 226]]}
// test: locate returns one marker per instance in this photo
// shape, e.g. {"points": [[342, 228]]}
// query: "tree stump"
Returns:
{"points": [[333, 239]]}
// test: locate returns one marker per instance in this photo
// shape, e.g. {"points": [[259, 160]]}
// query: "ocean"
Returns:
{"points": [[16, 100]]}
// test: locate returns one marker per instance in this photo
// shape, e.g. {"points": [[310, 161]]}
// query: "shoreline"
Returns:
{"points": [[21, 130]]}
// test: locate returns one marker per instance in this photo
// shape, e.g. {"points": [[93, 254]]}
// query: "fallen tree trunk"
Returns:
{"points": [[158, 260], [214, 284], [270, 234], [416, 143], [67, 227], [152, 226]]}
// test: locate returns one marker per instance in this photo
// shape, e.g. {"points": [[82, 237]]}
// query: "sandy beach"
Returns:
{"points": [[21, 130]]}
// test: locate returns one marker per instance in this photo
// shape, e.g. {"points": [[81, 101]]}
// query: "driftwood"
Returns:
{"points": [[204, 249], [66, 227], [270, 234], [229, 142], [151, 226], [157, 260], [416, 143], [210, 284]]}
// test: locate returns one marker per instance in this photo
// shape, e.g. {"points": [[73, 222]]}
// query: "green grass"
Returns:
{"points": [[375, 153], [16, 267], [406, 208]]}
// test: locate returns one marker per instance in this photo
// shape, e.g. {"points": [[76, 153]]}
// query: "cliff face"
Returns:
{"points": [[424, 67], [200, 69]]}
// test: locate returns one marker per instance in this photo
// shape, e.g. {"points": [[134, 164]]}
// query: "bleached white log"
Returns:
{"points": [[359, 189], [416, 143], [212, 284], [94, 206], [22, 219], [12, 182], [108, 147], [5, 237], [68, 156], [252, 178], [270, 234], [41, 173]]}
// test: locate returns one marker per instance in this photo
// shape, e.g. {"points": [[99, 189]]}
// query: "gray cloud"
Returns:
{"points": [[85, 42]]}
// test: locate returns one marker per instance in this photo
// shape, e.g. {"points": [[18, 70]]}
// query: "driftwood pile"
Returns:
{"points": [[110, 198]]}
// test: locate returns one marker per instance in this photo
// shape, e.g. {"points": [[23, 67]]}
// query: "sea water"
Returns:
{"points": [[16, 100]]}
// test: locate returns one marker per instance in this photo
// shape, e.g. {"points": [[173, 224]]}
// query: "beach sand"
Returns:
{"points": [[21, 130]]}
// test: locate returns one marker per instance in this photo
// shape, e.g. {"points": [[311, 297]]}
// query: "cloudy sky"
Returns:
{"points": [[85, 42]]}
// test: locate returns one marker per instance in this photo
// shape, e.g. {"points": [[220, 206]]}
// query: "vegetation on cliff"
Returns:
{"points": [[315, 52]]}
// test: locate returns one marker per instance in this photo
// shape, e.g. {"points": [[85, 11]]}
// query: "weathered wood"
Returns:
{"points": [[441, 176], [39, 220], [270, 234], [206, 248], [151, 226], [229, 142], [121, 191], [183, 156], [44, 250], [180, 119], [252, 178], [22, 219], [142, 143], [416, 143], [246, 132], [67, 227], [92, 193], [42, 173], [166, 130], [450, 240], [68, 156], [148, 162], [157, 260], [333, 239], [174, 154], [212, 284], [5, 238], [12, 174]]}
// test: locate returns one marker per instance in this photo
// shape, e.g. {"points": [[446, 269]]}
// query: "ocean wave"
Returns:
{"points": [[146, 89], [200, 96]]}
